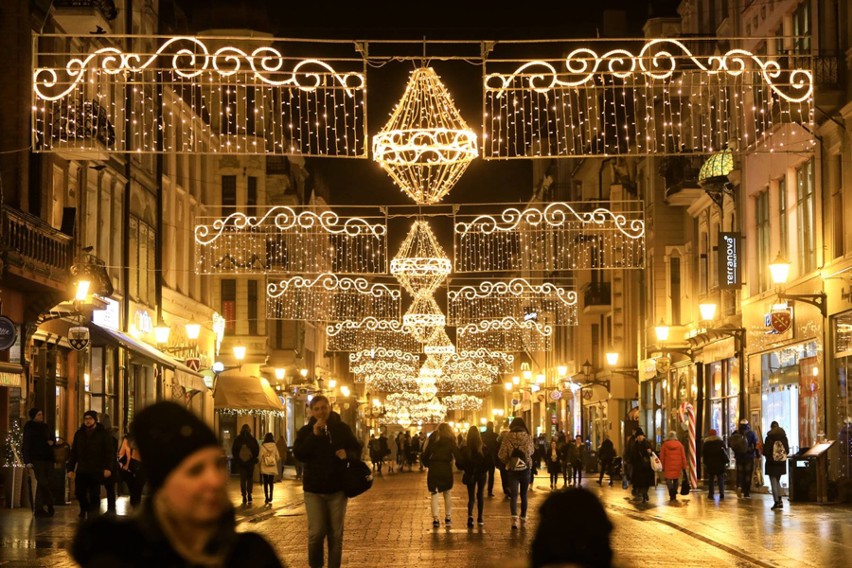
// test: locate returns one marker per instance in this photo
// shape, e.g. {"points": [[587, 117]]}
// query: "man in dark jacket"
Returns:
{"points": [[745, 457], [715, 458], [776, 462], [245, 451], [489, 440], [90, 463], [324, 445], [38, 455], [606, 453]]}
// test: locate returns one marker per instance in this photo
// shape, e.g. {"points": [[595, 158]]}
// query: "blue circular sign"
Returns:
{"points": [[8, 333]]}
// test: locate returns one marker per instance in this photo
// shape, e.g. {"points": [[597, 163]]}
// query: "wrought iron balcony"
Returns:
{"points": [[597, 297], [681, 175], [85, 16], [34, 250], [82, 129]]}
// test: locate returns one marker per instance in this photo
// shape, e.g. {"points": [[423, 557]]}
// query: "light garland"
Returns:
{"points": [[659, 99], [238, 99], [505, 334], [517, 297], [370, 333], [331, 298], [287, 239], [421, 265], [462, 402], [426, 145], [505, 362], [424, 319], [561, 236], [440, 347], [251, 412]]}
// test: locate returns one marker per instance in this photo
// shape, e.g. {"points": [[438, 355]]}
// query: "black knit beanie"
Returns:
{"points": [[91, 413], [573, 529], [166, 434]]}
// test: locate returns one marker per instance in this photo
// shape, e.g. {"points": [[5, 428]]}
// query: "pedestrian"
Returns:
{"points": [[744, 442], [269, 458], [188, 520], [281, 446], [553, 460], [489, 440], [673, 458], [324, 445], [640, 461], [110, 482], [373, 448], [414, 450], [715, 458], [564, 447], [575, 454], [406, 449], [245, 451], [625, 460], [476, 461], [573, 530], [516, 453], [422, 445], [400, 452], [90, 463], [776, 448], [384, 452], [606, 453], [438, 456], [130, 461], [504, 475], [37, 449]]}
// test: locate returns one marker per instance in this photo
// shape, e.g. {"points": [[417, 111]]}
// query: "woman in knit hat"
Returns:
{"points": [[188, 519]]}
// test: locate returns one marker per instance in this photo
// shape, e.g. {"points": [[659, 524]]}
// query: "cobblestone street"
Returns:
{"points": [[391, 526]]}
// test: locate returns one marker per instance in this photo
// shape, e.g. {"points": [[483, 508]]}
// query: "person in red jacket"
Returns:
{"points": [[674, 462]]}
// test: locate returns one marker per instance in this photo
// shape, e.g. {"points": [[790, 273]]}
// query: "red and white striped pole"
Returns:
{"points": [[693, 463]]}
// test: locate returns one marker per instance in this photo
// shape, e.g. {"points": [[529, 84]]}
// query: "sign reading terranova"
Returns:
{"points": [[730, 272]]}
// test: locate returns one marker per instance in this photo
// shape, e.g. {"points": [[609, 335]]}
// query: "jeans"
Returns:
{"points": [[711, 484], [246, 480], [745, 468], [43, 496], [775, 483], [504, 480], [448, 504], [267, 479], [87, 487], [519, 483], [325, 520], [476, 488], [606, 468], [491, 480], [577, 477], [672, 485]]}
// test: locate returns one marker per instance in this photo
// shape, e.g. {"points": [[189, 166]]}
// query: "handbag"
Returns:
{"points": [[684, 485], [656, 464], [357, 478]]}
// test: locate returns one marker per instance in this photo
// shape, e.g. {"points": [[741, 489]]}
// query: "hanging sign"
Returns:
{"points": [[78, 337], [780, 319], [730, 269], [193, 363], [8, 333]]}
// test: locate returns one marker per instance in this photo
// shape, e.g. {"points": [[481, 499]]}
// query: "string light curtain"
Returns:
{"points": [[331, 298], [225, 95], [517, 298], [421, 264], [370, 333]]}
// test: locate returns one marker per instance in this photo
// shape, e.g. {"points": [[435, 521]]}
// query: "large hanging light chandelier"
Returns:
{"points": [[426, 145], [421, 264]]}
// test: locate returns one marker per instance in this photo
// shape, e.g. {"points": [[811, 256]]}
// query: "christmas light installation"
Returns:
{"points": [[421, 264], [426, 145], [461, 402], [331, 298], [424, 318], [370, 333], [517, 297], [242, 97], [505, 334]]}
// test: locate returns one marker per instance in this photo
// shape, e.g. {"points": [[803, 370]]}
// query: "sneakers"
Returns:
{"points": [[470, 522], [523, 522], [448, 521], [514, 522], [778, 505], [436, 523], [480, 522]]}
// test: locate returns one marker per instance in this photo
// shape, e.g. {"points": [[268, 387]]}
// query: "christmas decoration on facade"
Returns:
{"points": [[331, 298]]}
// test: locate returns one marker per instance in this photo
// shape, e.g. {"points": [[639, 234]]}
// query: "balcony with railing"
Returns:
{"points": [[597, 298], [681, 177], [85, 16], [35, 251], [81, 129]]}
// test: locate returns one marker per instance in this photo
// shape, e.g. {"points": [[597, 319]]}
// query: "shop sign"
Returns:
{"points": [[730, 270], [78, 337], [143, 321], [193, 363], [8, 333], [109, 317], [664, 365], [779, 319]]}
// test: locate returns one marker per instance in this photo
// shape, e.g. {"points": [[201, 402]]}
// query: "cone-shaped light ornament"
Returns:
{"points": [[421, 264], [426, 145], [424, 318], [440, 347]]}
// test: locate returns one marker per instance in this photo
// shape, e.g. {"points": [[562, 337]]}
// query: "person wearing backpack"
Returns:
{"points": [[715, 458], [269, 459], [776, 448], [516, 452], [744, 441], [245, 451], [476, 461]]}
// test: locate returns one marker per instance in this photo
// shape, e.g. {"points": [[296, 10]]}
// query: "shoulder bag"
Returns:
{"points": [[357, 478]]}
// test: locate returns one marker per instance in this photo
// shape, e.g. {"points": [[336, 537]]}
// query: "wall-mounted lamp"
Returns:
{"points": [[780, 271]]}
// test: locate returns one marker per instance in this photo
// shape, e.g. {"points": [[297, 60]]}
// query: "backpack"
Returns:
{"points": [[517, 460], [779, 454], [268, 459], [245, 453], [737, 442]]}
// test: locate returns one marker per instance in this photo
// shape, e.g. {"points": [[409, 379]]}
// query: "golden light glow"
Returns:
{"points": [[193, 330], [239, 352], [562, 370], [280, 373], [421, 264], [780, 270], [707, 311], [662, 331], [82, 290], [612, 358]]}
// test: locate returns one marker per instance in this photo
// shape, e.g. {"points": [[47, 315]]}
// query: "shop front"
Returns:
{"points": [[840, 398], [240, 400]]}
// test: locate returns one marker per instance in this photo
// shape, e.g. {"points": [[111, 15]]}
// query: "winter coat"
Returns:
{"points": [[751, 441], [554, 463], [269, 449], [92, 452], [607, 451], [475, 464], [640, 460], [516, 439], [714, 455], [323, 470], [35, 446], [438, 457], [139, 542], [673, 458], [574, 453], [489, 440], [775, 468], [247, 440]]}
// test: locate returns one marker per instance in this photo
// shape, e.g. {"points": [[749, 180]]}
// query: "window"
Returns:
{"points": [[806, 217], [251, 191], [724, 377], [762, 252], [782, 215], [252, 307], [838, 225], [229, 304], [703, 244], [802, 29], [229, 195], [675, 289], [142, 250]]}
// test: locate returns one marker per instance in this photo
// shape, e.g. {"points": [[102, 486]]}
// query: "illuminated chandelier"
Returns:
{"points": [[421, 265], [426, 145], [424, 318], [440, 348]]}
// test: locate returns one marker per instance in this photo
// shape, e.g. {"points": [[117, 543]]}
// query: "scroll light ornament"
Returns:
{"points": [[421, 265], [424, 318], [440, 347], [426, 145], [461, 402]]}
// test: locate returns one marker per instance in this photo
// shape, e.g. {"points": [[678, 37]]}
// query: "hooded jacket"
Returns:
{"points": [[35, 447], [516, 439], [772, 467], [245, 439], [714, 455], [269, 449], [323, 470], [673, 458]]}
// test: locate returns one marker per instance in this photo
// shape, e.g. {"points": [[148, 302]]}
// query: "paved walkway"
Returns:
{"points": [[391, 526]]}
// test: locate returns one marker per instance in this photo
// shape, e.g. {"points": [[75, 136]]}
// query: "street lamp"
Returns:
{"points": [[780, 271], [193, 330], [240, 353], [612, 365], [280, 373], [161, 331], [81, 292]]}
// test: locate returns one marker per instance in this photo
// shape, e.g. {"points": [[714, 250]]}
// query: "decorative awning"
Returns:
{"points": [[245, 395]]}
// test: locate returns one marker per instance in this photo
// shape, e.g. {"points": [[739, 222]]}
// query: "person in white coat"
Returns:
{"points": [[269, 459]]}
